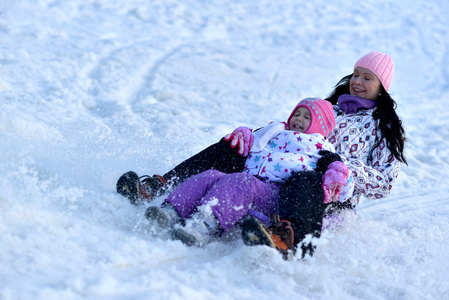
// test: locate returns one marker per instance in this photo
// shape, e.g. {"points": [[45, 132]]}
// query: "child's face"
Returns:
{"points": [[300, 121]]}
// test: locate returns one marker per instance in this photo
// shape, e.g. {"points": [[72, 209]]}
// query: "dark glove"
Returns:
{"points": [[326, 159]]}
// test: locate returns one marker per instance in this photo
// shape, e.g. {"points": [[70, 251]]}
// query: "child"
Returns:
{"points": [[210, 203]]}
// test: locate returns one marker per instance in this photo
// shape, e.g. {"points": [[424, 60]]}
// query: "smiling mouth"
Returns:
{"points": [[358, 90]]}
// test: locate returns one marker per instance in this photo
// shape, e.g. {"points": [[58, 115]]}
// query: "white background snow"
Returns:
{"points": [[92, 89]]}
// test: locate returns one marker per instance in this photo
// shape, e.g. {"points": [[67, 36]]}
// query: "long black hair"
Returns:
{"points": [[389, 124]]}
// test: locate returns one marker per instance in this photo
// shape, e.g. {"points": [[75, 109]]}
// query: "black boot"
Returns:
{"points": [[279, 235], [138, 189]]}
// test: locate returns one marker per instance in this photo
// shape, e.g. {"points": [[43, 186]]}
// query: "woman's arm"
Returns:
{"points": [[374, 181], [219, 156]]}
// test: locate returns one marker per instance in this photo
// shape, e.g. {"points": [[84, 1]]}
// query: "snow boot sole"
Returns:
{"points": [[254, 233], [156, 214], [185, 237], [128, 186]]}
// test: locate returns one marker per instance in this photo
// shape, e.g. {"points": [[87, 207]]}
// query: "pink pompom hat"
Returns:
{"points": [[380, 64], [322, 115]]}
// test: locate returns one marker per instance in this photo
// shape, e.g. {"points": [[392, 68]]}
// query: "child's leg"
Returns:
{"points": [[233, 195], [187, 197]]}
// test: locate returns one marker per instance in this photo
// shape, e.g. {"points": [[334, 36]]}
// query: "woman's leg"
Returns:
{"points": [[219, 156], [302, 203]]}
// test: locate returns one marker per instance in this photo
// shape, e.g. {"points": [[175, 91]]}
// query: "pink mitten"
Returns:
{"points": [[243, 137], [333, 181]]}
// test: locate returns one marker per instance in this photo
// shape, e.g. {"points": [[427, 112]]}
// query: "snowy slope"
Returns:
{"points": [[92, 89]]}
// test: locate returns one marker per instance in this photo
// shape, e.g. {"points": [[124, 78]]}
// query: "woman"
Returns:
{"points": [[368, 136]]}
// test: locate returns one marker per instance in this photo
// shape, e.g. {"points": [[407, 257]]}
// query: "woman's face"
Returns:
{"points": [[364, 84]]}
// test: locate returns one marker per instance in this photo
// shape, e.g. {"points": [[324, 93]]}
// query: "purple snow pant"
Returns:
{"points": [[236, 194]]}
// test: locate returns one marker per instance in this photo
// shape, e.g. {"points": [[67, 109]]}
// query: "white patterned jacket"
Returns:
{"points": [[353, 137]]}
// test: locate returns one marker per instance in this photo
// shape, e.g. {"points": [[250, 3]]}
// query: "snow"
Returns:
{"points": [[92, 89]]}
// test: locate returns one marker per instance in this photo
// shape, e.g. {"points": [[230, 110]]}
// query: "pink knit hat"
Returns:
{"points": [[322, 115], [380, 64]]}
